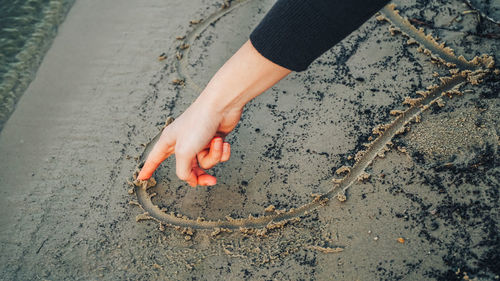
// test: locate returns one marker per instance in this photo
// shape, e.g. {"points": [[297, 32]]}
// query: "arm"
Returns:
{"points": [[292, 35], [215, 112]]}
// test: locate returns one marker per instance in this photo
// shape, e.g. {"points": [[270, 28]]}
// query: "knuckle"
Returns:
{"points": [[182, 175], [217, 154], [167, 132], [206, 165], [182, 151], [154, 161]]}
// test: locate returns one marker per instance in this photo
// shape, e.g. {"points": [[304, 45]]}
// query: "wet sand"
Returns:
{"points": [[429, 208]]}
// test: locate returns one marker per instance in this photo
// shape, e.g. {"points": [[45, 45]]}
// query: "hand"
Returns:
{"points": [[196, 138]]}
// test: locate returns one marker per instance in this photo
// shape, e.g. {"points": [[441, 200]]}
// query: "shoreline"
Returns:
{"points": [[21, 73], [66, 136]]}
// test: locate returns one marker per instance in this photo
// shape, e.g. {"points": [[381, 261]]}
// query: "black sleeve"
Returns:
{"points": [[295, 32]]}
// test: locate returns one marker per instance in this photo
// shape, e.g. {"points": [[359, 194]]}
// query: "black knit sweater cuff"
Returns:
{"points": [[295, 32]]}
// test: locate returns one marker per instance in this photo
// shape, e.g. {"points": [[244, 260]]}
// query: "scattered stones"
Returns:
{"points": [[342, 170], [184, 46], [178, 82], [161, 57], [364, 177], [270, 209], [341, 197], [226, 4]]}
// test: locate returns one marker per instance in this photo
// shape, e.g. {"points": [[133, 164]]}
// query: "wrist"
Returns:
{"points": [[243, 77], [221, 100]]}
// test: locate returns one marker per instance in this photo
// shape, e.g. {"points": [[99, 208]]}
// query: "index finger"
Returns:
{"points": [[161, 151]]}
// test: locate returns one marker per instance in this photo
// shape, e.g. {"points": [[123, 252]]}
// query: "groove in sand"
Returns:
{"points": [[363, 158]]}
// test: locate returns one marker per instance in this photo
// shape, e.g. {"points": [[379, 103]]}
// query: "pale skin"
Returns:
{"points": [[196, 137]]}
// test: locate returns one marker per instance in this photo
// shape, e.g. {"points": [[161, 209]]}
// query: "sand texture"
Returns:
{"points": [[380, 162]]}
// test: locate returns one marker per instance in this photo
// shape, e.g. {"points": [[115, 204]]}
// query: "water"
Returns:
{"points": [[27, 28]]}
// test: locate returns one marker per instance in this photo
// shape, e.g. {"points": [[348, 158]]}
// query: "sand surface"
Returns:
{"points": [[428, 210]]}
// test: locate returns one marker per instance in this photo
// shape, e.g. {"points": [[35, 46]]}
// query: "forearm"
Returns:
{"points": [[244, 76]]}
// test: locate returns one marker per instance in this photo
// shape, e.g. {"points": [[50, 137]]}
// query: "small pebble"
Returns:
{"points": [[161, 57]]}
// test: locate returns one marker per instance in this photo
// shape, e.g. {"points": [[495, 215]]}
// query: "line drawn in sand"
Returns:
{"points": [[461, 72]]}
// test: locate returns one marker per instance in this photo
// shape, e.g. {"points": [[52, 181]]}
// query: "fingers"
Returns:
{"points": [[226, 152], [217, 152], [203, 178], [208, 158], [198, 176], [161, 151], [187, 168], [184, 164]]}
